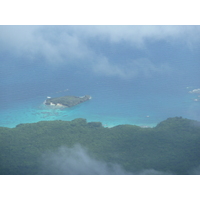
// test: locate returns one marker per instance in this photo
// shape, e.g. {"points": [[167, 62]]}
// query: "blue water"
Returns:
{"points": [[25, 83], [139, 101]]}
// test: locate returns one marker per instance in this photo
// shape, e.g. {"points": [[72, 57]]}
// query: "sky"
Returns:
{"points": [[126, 52]]}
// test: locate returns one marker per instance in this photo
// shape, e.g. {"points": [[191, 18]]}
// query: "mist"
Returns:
{"points": [[77, 160]]}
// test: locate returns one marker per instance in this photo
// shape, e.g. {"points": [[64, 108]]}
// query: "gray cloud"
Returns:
{"points": [[73, 38], [130, 68], [68, 45], [137, 35], [78, 161]]}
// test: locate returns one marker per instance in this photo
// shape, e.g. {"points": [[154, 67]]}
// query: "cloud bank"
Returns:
{"points": [[71, 46]]}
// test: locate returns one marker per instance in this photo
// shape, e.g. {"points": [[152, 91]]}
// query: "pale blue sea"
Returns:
{"points": [[138, 101]]}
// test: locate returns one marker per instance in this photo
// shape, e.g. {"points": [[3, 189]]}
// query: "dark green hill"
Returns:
{"points": [[173, 146]]}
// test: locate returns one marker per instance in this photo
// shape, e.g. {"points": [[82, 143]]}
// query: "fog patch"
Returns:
{"points": [[76, 161]]}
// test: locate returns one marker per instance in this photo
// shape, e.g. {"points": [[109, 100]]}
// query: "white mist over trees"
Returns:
{"points": [[76, 161]]}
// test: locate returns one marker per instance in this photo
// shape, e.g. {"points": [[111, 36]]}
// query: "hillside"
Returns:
{"points": [[172, 147]]}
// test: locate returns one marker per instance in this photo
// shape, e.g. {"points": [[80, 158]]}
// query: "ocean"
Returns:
{"points": [[142, 101]]}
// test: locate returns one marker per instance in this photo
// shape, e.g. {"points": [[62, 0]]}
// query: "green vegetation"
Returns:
{"points": [[172, 146], [68, 101]]}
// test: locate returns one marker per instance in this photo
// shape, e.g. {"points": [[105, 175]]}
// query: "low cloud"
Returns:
{"points": [[70, 46], [77, 160], [130, 69], [139, 35], [73, 40], [56, 45]]}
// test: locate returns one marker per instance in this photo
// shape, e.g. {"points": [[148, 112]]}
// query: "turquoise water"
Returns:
{"points": [[106, 106]]}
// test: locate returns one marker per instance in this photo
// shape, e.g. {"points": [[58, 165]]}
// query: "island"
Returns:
{"points": [[66, 101]]}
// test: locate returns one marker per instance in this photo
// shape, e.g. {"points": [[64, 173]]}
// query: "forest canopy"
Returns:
{"points": [[172, 147]]}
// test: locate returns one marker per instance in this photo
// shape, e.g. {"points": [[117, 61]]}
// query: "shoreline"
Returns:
{"points": [[55, 105]]}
